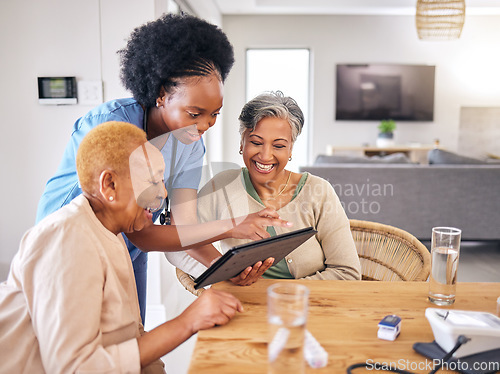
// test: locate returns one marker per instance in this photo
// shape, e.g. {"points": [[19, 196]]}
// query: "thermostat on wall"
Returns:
{"points": [[57, 90]]}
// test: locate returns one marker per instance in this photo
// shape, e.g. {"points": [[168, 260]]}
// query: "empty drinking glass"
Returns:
{"points": [[287, 305]]}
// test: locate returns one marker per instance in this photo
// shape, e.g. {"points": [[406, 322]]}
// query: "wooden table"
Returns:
{"points": [[343, 316]]}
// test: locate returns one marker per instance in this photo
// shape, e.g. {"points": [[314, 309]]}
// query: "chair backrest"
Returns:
{"points": [[188, 282], [387, 253]]}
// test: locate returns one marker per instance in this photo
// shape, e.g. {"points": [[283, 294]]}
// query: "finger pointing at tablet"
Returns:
{"points": [[254, 225]]}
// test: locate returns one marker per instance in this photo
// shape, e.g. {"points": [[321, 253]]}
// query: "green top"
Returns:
{"points": [[279, 270]]}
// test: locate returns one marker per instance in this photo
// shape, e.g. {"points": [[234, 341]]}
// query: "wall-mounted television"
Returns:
{"points": [[385, 91]]}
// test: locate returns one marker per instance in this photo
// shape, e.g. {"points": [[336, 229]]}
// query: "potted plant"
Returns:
{"points": [[386, 133]]}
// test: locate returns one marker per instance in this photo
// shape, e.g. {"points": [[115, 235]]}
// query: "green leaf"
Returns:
{"points": [[387, 125]]}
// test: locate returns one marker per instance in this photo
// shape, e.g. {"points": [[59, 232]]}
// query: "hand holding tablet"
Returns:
{"points": [[240, 257], [252, 273]]}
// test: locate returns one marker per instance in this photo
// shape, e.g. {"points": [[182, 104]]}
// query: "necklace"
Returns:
{"points": [[282, 190]]}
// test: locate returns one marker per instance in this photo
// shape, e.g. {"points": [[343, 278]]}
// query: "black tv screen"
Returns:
{"points": [[390, 91]]}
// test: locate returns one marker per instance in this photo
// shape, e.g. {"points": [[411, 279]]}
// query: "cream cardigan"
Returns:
{"points": [[330, 254], [70, 302]]}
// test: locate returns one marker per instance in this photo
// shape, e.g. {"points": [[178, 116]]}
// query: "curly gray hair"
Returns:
{"points": [[271, 104]]}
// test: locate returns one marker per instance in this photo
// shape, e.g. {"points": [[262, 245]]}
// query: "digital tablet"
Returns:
{"points": [[240, 257]]}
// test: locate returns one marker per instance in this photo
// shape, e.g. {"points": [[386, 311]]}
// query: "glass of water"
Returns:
{"points": [[445, 251], [287, 306]]}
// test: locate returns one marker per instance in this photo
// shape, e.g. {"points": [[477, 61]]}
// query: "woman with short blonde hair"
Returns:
{"points": [[70, 302]]}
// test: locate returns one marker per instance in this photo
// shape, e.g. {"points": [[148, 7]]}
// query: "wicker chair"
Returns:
{"points": [[386, 253], [188, 282]]}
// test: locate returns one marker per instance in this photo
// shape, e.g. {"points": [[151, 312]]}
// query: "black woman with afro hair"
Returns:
{"points": [[175, 68]]}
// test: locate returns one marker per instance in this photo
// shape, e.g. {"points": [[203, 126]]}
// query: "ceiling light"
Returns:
{"points": [[440, 19]]}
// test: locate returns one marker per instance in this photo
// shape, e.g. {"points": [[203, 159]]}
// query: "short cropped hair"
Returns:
{"points": [[161, 52], [107, 146], [272, 104]]}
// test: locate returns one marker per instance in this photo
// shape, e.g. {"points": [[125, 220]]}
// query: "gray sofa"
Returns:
{"points": [[416, 197]]}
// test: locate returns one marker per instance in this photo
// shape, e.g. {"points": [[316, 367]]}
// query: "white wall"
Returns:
{"points": [[467, 71], [206, 9]]}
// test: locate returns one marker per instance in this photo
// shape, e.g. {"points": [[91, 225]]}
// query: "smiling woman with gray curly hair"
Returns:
{"points": [[269, 126]]}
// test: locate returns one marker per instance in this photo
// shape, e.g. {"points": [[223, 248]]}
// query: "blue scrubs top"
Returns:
{"points": [[64, 186]]}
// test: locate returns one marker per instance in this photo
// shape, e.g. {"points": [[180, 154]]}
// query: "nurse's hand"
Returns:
{"points": [[253, 226]]}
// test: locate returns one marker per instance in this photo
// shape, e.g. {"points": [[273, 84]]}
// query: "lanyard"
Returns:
{"points": [[165, 215]]}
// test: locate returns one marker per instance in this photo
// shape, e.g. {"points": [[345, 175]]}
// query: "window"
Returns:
{"points": [[285, 70]]}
